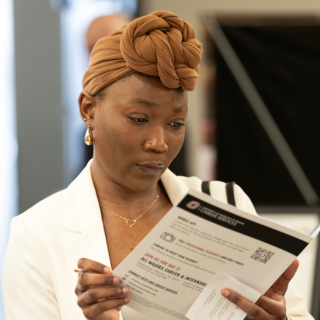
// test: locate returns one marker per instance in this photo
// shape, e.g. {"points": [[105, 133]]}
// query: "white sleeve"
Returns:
{"points": [[296, 305], [243, 202], [218, 191], [28, 291]]}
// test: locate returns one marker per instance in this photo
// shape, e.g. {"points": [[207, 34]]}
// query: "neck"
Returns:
{"points": [[118, 198]]}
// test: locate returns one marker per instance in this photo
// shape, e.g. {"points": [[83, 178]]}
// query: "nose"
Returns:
{"points": [[156, 141]]}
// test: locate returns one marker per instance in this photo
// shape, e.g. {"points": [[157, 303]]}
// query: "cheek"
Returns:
{"points": [[115, 142], [176, 142]]}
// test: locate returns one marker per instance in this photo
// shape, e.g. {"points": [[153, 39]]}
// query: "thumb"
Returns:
{"points": [[281, 285], [292, 269]]}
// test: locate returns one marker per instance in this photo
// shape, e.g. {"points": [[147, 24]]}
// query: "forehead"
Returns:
{"points": [[146, 90]]}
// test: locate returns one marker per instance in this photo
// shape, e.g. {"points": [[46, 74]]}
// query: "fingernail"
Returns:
{"points": [[126, 300], [225, 293], [125, 291], [116, 280], [106, 270]]}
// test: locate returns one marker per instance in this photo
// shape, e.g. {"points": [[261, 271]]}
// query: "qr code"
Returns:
{"points": [[262, 255]]}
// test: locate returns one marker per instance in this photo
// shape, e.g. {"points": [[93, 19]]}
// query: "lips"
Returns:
{"points": [[150, 168]]}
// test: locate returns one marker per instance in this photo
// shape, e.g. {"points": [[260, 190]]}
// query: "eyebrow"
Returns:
{"points": [[179, 109], [143, 101], [153, 104]]}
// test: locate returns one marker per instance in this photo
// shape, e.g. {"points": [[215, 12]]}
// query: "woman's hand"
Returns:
{"points": [[270, 306], [99, 295]]}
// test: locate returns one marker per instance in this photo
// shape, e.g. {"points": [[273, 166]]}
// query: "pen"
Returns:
{"points": [[82, 271]]}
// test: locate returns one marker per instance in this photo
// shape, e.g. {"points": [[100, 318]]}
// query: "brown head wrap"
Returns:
{"points": [[159, 44]]}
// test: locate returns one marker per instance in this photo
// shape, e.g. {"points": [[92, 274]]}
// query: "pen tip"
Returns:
{"points": [[75, 270]]}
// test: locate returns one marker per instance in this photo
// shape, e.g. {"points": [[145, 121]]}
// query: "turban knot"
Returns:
{"points": [[159, 44]]}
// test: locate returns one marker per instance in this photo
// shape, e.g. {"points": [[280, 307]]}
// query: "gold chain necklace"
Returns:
{"points": [[130, 222]]}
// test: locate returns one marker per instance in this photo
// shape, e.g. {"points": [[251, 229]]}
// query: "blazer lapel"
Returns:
{"points": [[174, 186], [83, 222]]}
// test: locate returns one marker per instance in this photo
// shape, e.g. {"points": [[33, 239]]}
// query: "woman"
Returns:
{"points": [[135, 105]]}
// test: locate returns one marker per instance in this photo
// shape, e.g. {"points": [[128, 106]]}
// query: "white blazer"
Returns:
{"points": [[47, 241]]}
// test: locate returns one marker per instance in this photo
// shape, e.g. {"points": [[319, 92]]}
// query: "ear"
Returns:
{"points": [[87, 106]]}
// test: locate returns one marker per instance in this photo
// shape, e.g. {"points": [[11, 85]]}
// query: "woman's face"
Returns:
{"points": [[138, 129]]}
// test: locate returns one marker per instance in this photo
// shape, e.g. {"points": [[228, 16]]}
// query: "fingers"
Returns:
{"points": [[99, 292], [271, 306], [95, 294], [264, 309], [244, 304], [281, 285], [95, 310], [87, 280], [94, 266]]}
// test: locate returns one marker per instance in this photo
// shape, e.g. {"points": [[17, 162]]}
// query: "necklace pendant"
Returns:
{"points": [[131, 223]]}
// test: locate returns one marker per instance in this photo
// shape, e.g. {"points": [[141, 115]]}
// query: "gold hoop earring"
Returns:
{"points": [[88, 138]]}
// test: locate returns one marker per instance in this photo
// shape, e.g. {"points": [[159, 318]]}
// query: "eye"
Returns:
{"points": [[176, 125], [139, 120]]}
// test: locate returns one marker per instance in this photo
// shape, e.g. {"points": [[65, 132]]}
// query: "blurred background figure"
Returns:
{"points": [[102, 27]]}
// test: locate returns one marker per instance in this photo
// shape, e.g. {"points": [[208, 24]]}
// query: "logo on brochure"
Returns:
{"points": [[193, 205], [262, 255], [169, 237]]}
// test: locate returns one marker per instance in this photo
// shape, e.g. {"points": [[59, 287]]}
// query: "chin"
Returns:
{"points": [[143, 183]]}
